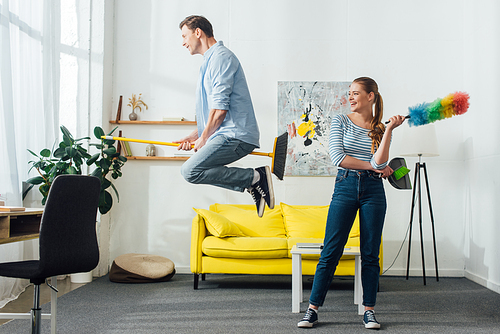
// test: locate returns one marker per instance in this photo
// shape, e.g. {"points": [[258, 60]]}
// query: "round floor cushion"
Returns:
{"points": [[141, 268]]}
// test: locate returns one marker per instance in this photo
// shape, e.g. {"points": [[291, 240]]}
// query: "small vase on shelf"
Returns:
{"points": [[132, 116], [136, 102]]}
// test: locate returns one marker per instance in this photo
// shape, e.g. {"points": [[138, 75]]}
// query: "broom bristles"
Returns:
{"points": [[279, 156]]}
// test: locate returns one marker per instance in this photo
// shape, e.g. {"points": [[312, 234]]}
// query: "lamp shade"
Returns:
{"points": [[420, 141]]}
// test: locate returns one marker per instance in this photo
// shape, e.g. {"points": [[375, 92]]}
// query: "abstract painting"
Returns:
{"points": [[305, 110]]}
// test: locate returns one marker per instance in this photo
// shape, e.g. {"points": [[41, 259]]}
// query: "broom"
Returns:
{"points": [[278, 155]]}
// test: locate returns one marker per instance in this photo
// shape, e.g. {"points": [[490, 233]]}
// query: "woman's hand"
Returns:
{"points": [[395, 121], [386, 172]]}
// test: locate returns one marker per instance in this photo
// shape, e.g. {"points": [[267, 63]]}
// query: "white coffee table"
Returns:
{"points": [[297, 296]]}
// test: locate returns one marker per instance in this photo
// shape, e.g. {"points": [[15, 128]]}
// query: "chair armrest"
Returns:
{"points": [[198, 233]]}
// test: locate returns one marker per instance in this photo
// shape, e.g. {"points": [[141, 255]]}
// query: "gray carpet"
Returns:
{"points": [[262, 304]]}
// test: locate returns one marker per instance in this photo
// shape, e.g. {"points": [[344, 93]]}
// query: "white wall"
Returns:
{"points": [[482, 143], [412, 49]]}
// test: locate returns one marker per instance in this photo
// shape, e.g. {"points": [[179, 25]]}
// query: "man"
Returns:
{"points": [[227, 129]]}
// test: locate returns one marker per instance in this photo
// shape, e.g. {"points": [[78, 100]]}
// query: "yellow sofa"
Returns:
{"points": [[232, 239]]}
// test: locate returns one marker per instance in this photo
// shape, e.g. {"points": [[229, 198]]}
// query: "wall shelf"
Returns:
{"points": [[184, 158], [155, 122], [171, 158]]}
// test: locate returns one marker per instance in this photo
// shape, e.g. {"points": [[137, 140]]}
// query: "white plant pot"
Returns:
{"points": [[81, 277]]}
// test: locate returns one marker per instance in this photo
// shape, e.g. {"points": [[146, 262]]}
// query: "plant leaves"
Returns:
{"points": [[60, 152], [70, 151], [109, 134], [66, 132], [84, 138], [61, 165], [83, 152], [105, 202], [53, 170], [67, 140], [110, 150], [72, 170], [27, 190], [93, 159], [45, 153], [105, 184], [97, 172], [105, 164], [78, 162], [36, 180], [33, 153], [98, 132]]}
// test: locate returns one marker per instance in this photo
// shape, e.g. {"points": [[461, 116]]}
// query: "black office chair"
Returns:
{"points": [[68, 240]]}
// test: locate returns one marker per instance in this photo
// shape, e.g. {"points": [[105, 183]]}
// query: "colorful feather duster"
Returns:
{"points": [[451, 105]]}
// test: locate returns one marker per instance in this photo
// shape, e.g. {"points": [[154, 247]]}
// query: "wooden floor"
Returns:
{"points": [[24, 302]]}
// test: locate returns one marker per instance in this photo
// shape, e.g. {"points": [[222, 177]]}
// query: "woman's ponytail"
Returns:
{"points": [[377, 128]]}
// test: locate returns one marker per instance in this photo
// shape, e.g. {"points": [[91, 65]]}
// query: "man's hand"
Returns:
{"points": [[186, 143], [199, 143]]}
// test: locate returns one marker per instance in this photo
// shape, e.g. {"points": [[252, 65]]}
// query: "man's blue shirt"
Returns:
{"points": [[222, 85]]}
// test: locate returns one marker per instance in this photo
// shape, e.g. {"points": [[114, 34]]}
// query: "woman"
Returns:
{"points": [[359, 146]]}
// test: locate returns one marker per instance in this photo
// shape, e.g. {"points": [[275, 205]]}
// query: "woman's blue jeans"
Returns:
{"points": [[207, 166], [354, 190]]}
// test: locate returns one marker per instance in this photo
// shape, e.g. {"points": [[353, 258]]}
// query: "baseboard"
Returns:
{"points": [[183, 270], [482, 281], [392, 272], [429, 272]]}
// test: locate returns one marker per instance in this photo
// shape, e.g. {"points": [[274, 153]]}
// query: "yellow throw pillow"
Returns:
{"points": [[245, 217], [218, 225], [305, 221], [309, 221]]}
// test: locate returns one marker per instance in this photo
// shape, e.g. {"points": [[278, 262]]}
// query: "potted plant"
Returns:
{"points": [[69, 157]]}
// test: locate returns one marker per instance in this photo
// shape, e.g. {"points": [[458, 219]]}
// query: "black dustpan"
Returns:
{"points": [[402, 183]]}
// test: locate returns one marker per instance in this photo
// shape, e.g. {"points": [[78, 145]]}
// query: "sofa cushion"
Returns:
{"points": [[247, 220], [302, 221], [218, 225], [309, 221], [245, 247]]}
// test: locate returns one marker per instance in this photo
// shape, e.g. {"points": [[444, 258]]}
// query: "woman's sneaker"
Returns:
{"points": [[370, 321], [310, 319]]}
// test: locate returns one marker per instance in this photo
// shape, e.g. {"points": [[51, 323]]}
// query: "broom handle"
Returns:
{"points": [[139, 141], [165, 143]]}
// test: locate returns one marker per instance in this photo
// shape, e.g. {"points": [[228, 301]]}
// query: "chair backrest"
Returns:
{"points": [[68, 239]]}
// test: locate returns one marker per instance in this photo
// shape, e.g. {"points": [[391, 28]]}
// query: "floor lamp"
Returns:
{"points": [[421, 142]]}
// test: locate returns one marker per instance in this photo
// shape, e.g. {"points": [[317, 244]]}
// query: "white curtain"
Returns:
{"points": [[40, 47]]}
